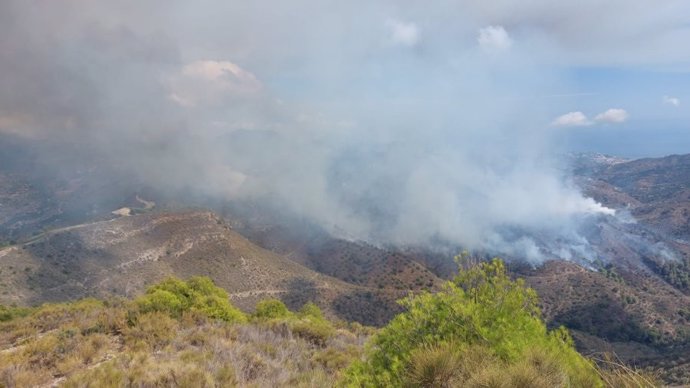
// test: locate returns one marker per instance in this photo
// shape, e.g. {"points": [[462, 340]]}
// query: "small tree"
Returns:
{"points": [[174, 296], [482, 307], [271, 309], [312, 311]]}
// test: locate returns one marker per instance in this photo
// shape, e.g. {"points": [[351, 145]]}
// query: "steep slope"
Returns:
{"points": [[634, 314], [613, 304], [124, 255], [656, 191], [355, 262], [365, 264]]}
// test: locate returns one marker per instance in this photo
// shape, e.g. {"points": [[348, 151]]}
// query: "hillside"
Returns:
{"points": [[618, 304], [187, 334], [355, 262], [637, 316], [656, 191], [144, 342], [123, 256]]}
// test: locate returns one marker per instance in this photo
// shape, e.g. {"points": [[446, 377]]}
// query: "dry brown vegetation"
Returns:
{"points": [[112, 344]]}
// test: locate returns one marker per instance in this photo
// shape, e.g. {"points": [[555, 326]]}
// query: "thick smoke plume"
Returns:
{"points": [[395, 122]]}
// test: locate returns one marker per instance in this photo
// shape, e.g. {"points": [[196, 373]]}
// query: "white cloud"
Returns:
{"points": [[671, 101], [572, 119], [403, 33], [216, 70], [579, 119], [210, 81], [613, 115], [494, 38]]}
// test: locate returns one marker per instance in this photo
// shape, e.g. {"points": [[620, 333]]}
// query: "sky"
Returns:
{"points": [[595, 56], [658, 120], [393, 121], [626, 55]]}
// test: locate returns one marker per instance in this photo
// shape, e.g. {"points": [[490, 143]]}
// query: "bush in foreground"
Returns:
{"points": [[482, 329]]}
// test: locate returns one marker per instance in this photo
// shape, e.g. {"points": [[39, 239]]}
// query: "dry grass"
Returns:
{"points": [[89, 344], [615, 373], [448, 365]]}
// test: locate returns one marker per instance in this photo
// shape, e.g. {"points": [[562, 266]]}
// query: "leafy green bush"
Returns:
{"points": [[161, 301], [311, 310], [482, 306], [271, 309], [309, 323], [174, 296]]}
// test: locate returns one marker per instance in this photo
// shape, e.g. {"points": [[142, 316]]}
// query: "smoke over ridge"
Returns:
{"points": [[391, 122]]}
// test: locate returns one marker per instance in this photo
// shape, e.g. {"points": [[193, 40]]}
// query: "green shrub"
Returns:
{"points": [[174, 297], [220, 308], [481, 306], [161, 301], [311, 310], [271, 309]]}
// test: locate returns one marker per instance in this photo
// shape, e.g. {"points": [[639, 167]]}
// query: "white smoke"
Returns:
{"points": [[309, 106]]}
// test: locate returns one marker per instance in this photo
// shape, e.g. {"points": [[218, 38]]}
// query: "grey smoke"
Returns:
{"points": [[394, 122]]}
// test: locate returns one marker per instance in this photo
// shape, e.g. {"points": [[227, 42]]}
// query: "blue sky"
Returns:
{"points": [[658, 123]]}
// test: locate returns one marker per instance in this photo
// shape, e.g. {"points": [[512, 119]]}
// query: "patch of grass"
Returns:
{"points": [[8, 313], [186, 342]]}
